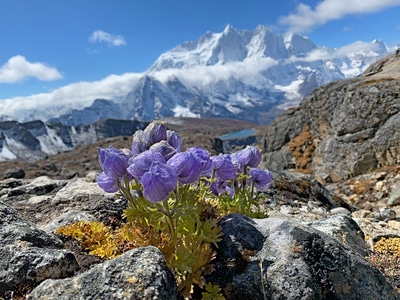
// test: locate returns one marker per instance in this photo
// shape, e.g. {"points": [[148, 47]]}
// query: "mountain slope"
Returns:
{"points": [[34, 140]]}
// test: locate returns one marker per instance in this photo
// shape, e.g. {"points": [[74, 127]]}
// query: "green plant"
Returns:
{"points": [[175, 200]]}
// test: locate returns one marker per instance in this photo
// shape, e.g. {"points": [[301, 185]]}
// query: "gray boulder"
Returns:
{"points": [[394, 197], [274, 258], [28, 255], [14, 173], [137, 274]]}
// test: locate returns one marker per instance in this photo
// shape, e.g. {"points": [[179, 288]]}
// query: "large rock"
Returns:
{"points": [[342, 129], [28, 255], [280, 259], [137, 274], [46, 201]]}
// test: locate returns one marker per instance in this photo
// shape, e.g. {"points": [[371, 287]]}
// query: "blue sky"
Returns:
{"points": [[61, 46]]}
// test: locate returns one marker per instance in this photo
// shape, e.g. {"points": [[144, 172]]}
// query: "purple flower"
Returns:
{"points": [[143, 162], [221, 187], [223, 167], [114, 162], [138, 142], [165, 149], [175, 140], [204, 156], [187, 166], [154, 133], [261, 179], [106, 183], [158, 182], [247, 157]]}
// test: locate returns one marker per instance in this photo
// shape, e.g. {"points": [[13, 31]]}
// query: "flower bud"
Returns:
{"points": [[158, 182], [175, 140], [204, 156], [154, 133], [262, 179], [165, 149], [138, 142], [106, 183], [223, 167], [114, 162], [247, 157], [142, 163], [187, 166]]}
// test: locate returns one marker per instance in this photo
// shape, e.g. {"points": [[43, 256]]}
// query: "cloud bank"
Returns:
{"points": [[17, 68], [306, 18], [74, 95], [110, 39], [247, 71]]}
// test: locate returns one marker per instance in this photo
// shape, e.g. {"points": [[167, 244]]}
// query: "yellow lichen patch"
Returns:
{"points": [[388, 246], [132, 279], [360, 186], [95, 237], [302, 148]]}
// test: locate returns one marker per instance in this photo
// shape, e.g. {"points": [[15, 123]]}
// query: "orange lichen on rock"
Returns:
{"points": [[302, 148]]}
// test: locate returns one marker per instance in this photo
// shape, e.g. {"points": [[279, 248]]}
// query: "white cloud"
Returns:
{"points": [[110, 39], [247, 71], [17, 68], [306, 18], [81, 94], [329, 54], [74, 95]]}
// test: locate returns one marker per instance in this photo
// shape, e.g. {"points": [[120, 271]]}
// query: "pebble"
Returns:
{"points": [[339, 211], [385, 214]]}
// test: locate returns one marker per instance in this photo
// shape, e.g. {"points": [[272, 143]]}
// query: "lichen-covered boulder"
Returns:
{"points": [[29, 255], [275, 258]]}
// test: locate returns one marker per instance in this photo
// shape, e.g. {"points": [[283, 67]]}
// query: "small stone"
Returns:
{"points": [[385, 214], [378, 186], [285, 209], [382, 223], [362, 213], [394, 224], [14, 173], [340, 210], [394, 197]]}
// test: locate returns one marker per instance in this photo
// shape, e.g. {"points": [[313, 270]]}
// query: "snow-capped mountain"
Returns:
{"points": [[234, 74]]}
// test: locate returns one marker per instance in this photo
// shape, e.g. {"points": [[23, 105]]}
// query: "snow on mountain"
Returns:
{"points": [[233, 74], [34, 140]]}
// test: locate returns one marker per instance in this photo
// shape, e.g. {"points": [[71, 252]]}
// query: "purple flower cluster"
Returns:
{"points": [[157, 162]]}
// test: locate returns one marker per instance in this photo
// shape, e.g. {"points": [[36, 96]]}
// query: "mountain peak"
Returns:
{"points": [[228, 28]]}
